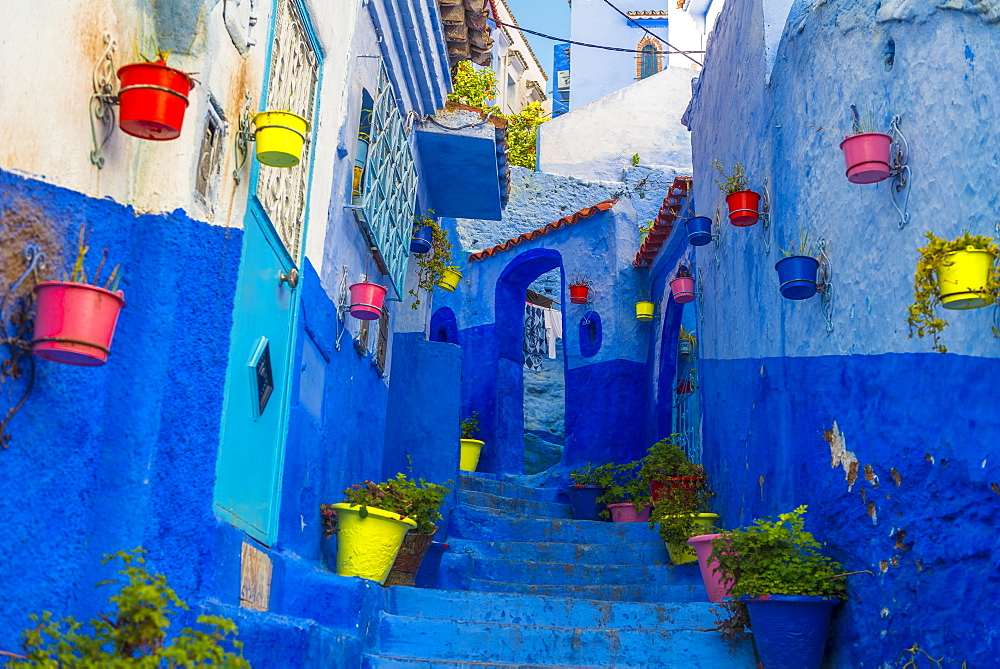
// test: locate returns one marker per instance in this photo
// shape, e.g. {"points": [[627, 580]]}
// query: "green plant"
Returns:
{"points": [[665, 460], [676, 510], [923, 318], [646, 227], [683, 272], [777, 557], [411, 498], [579, 279], [731, 183], [635, 159], [474, 87], [522, 132], [470, 426], [803, 247], [431, 265], [624, 486], [79, 275], [602, 475], [864, 122], [135, 635]]}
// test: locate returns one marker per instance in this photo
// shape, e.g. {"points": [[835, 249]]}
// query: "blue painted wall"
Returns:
{"points": [[785, 403], [561, 67]]}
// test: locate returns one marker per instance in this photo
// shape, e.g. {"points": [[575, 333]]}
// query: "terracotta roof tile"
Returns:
{"points": [[563, 222], [664, 223]]}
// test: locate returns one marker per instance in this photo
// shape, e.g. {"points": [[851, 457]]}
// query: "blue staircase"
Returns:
{"points": [[527, 586]]}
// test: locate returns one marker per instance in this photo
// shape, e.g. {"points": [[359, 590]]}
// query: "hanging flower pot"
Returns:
{"points": [[280, 136], [579, 294], [962, 279], [699, 230], [715, 587], [683, 289], [469, 457], [422, 240], [684, 347], [75, 322], [797, 277], [449, 280], [366, 300], [867, 157], [152, 100], [367, 546], [743, 208], [790, 631], [644, 311]]}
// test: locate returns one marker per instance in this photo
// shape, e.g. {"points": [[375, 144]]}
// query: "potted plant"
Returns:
{"points": [[626, 497], [699, 229], [425, 507], [589, 483], [686, 342], [644, 231], [960, 274], [366, 300], [682, 285], [789, 587], [433, 269], [280, 136], [471, 447], [152, 99], [667, 467], [644, 310], [75, 318], [579, 288], [866, 151], [716, 588], [422, 240], [743, 204], [798, 270], [681, 513]]}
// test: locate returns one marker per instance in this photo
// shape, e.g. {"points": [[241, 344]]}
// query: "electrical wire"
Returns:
{"points": [[648, 32], [593, 46]]}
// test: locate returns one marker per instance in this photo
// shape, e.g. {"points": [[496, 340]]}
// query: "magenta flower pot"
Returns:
{"points": [[683, 288], [867, 157], [714, 587], [626, 513], [75, 322], [366, 300]]}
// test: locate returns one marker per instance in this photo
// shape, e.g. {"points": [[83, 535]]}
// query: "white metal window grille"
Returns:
{"points": [[389, 188], [292, 87], [210, 155]]}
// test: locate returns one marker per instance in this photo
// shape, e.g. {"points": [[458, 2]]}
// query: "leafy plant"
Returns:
{"points": [[79, 275], [801, 248], [625, 487], [635, 159], [474, 87], [683, 272], [135, 635], [431, 265], [777, 557], [602, 475], [522, 132], [923, 318], [411, 498], [864, 122], [731, 183], [470, 426], [665, 460], [676, 510], [579, 279]]}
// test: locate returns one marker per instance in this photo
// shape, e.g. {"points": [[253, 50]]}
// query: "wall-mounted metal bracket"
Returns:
{"points": [[717, 234], [243, 136], [824, 285], [103, 100], [900, 171], [699, 296], [765, 216], [15, 336]]}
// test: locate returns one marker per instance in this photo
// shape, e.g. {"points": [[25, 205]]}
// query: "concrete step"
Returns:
{"points": [[430, 638], [564, 573], [469, 522], [518, 609], [396, 662], [512, 506], [651, 552], [604, 592], [490, 484]]}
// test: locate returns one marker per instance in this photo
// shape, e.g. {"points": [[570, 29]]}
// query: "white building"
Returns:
{"points": [[520, 78]]}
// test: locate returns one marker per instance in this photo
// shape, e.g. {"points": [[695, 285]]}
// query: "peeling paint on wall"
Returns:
{"points": [[839, 455]]}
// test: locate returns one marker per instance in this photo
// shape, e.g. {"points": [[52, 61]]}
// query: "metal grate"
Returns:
{"points": [[292, 87], [389, 189], [210, 156], [382, 344]]}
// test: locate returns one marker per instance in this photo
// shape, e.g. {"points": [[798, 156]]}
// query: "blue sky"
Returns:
{"points": [[548, 16]]}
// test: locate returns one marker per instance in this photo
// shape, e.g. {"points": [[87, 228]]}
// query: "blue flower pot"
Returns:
{"points": [[797, 276], [790, 630], [699, 230], [583, 498], [421, 241]]}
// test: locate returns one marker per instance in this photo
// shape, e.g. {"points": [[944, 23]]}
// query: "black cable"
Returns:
{"points": [[647, 31], [592, 46]]}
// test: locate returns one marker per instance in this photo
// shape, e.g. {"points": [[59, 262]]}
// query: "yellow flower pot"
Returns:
{"points": [[682, 553], [449, 280], [644, 310], [280, 137], [367, 547], [471, 449], [962, 279]]}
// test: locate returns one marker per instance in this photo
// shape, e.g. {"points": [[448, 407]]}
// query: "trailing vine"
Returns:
{"points": [[431, 265]]}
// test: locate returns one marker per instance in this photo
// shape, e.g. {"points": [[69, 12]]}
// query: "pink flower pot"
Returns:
{"points": [[867, 157], [683, 288], [626, 513], [714, 587], [75, 323], [366, 300]]}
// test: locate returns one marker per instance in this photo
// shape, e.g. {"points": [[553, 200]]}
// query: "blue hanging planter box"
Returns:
{"points": [[699, 230], [790, 631], [422, 240], [797, 276]]}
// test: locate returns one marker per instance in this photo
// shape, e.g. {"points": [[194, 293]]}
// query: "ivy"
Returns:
{"points": [[430, 266]]}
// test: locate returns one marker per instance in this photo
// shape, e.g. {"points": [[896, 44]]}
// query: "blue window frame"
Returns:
{"points": [[650, 63]]}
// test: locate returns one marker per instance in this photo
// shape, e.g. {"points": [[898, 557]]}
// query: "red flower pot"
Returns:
{"points": [[683, 289], [681, 486], [153, 99], [579, 294], [366, 300], [743, 208], [75, 322]]}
